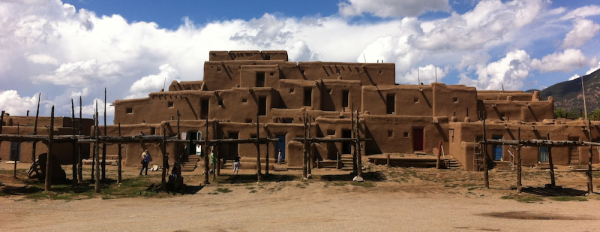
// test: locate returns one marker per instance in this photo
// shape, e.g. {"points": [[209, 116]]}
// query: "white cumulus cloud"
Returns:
{"points": [[582, 32], [11, 102], [510, 72], [391, 8], [425, 75], [566, 61], [153, 83]]}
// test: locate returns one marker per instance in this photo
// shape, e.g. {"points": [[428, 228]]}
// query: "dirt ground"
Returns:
{"points": [[392, 199]]}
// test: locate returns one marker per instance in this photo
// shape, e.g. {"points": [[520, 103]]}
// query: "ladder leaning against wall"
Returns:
{"points": [[477, 158]]}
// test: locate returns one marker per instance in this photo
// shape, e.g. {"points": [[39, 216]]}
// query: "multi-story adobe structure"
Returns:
{"points": [[24, 125], [239, 85]]}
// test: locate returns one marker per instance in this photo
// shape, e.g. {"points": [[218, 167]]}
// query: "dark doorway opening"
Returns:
{"points": [[204, 109], [345, 98], [418, 139], [346, 146], [262, 106], [233, 147], [391, 104], [260, 79], [280, 146], [15, 151]]}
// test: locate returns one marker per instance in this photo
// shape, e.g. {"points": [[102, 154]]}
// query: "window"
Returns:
{"points": [[391, 134], [260, 79], [455, 100], [291, 90], [248, 120], [391, 104], [329, 91], [345, 96], [204, 109], [244, 100], [221, 103], [308, 97], [152, 131], [262, 106], [287, 120], [330, 132], [405, 134], [170, 104], [416, 100], [129, 110], [272, 73]]}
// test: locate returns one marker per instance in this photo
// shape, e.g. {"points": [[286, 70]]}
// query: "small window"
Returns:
{"points": [[170, 104], [303, 72], [391, 134], [260, 79], [287, 120], [272, 73], [152, 131], [503, 115], [248, 120], [345, 98], [329, 91], [330, 132], [416, 100], [379, 71], [244, 100], [218, 69], [405, 134], [129, 110], [291, 90], [455, 100], [221, 103]]}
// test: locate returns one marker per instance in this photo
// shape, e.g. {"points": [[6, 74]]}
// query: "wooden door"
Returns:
{"points": [[418, 139]]}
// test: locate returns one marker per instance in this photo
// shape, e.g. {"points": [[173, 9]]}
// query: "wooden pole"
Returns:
{"points": [[589, 172], [79, 160], [258, 163], [217, 169], [439, 153], [97, 149], [104, 144], [48, 184], [119, 159], [309, 144], [93, 173], [552, 180], [354, 160], [178, 156], [304, 156], [358, 151], [267, 161], [206, 167], [338, 160], [486, 177], [35, 125], [74, 144], [388, 160], [519, 185], [17, 153], [165, 161]]}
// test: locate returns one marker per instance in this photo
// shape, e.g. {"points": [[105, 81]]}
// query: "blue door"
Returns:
{"points": [[544, 154], [281, 145], [497, 149], [15, 151]]}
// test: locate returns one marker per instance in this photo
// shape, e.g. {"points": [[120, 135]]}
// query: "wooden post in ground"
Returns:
{"points": [[388, 160], [352, 132], [17, 152], [304, 156], [519, 185], [48, 184], [37, 113], [93, 156], [589, 172], [339, 165], [358, 151], [79, 160], [97, 149], [178, 156], [552, 180], [258, 163], [74, 157], [439, 153], [309, 152], [104, 144], [164, 159], [206, 167], [486, 177], [267, 161], [119, 159], [217, 163]]}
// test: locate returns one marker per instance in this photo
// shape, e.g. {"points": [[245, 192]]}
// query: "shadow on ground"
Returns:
{"points": [[554, 192], [367, 176], [252, 178]]}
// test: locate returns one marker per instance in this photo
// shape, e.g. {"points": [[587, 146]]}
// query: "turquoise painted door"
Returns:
{"points": [[497, 149], [544, 154]]}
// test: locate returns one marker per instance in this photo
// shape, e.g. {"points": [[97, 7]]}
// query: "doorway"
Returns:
{"points": [[15, 151], [418, 139], [346, 146], [233, 147], [497, 149], [543, 154], [280, 146]]}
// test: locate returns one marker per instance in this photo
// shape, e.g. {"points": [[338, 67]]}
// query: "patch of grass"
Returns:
{"points": [[451, 185], [366, 184], [340, 183], [300, 186], [568, 198], [253, 191], [223, 190], [249, 188], [523, 198]]}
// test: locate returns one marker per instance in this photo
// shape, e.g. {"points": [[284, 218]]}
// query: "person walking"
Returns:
{"points": [[279, 156], [212, 160], [166, 163], [145, 161], [236, 164]]}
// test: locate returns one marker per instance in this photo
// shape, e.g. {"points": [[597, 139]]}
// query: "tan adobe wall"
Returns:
{"points": [[186, 85]]}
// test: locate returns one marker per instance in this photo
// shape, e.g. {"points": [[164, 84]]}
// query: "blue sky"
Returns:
{"points": [[70, 48]]}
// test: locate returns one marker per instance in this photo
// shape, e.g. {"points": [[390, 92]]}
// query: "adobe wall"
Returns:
{"points": [[457, 101], [466, 133], [247, 55], [410, 100]]}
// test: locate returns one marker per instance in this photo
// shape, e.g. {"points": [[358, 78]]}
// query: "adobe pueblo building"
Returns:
{"points": [[395, 118]]}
